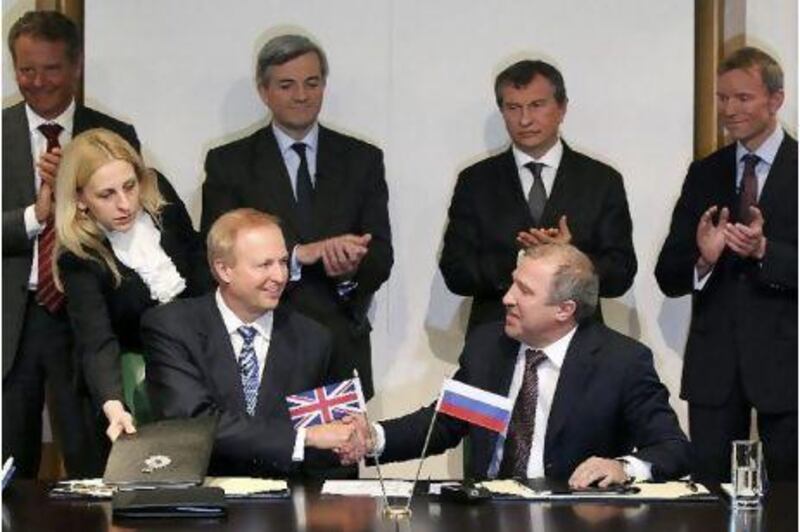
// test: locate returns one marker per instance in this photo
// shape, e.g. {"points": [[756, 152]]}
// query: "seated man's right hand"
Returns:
{"points": [[333, 436]]}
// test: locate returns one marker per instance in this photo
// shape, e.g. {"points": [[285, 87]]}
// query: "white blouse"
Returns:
{"points": [[139, 248]]}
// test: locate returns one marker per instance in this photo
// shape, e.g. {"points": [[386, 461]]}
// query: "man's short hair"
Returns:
{"points": [[575, 278], [49, 26], [748, 57], [223, 233], [284, 48], [522, 73]]}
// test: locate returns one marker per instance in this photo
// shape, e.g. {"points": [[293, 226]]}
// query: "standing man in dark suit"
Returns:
{"points": [[732, 244], [329, 190], [37, 340], [537, 191], [588, 404], [238, 354]]}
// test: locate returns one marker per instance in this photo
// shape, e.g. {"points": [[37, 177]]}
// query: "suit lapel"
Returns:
{"points": [[217, 354], [328, 185], [272, 180], [578, 366], [782, 167], [496, 378], [509, 190], [280, 365], [19, 157], [560, 193]]}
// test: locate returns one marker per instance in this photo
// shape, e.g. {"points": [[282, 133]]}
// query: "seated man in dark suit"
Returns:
{"points": [[537, 191], [237, 353], [588, 405]]}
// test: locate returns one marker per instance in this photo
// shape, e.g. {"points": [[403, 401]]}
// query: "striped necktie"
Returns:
{"points": [[248, 367]]}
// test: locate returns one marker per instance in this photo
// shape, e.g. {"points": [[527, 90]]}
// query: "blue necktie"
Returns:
{"points": [[248, 367]]}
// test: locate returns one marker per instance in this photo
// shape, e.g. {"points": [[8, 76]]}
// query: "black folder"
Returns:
{"points": [[172, 452], [170, 502]]}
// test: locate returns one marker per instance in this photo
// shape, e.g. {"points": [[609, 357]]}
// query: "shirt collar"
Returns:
{"points": [[552, 158], [285, 141], [65, 119], [556, 351], [768, 149], [262, 324]]}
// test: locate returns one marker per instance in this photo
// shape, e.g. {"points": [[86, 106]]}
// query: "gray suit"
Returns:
{"points": [[23, 377]]}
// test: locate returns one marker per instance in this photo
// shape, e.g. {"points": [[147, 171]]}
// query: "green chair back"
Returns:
{"points": [[134, 387]]}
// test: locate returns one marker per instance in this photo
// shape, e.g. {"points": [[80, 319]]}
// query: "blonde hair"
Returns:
{"points": [[222, 235], [76, 231]]}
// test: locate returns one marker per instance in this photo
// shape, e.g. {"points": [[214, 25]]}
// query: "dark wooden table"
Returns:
{"points": [[27, 508]]}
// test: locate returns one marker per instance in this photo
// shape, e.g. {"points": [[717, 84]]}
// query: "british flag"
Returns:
{"points": [[326, 403]]}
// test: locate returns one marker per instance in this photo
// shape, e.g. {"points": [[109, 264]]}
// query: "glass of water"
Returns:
{"points": [[747, 474]]}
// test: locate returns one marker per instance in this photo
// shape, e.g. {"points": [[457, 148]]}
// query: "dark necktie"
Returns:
{"points": [[248, 368], [47, 294], [537, 196], [304, 189], [517, 447], [748, 188]]}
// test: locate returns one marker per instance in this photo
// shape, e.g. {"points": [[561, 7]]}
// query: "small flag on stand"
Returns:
{"points": [[474, 405], [326, 403]]}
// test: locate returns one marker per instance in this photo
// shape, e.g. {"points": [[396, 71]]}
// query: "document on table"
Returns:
{"points": [[247, 486], [641, 491], [367, 488]]}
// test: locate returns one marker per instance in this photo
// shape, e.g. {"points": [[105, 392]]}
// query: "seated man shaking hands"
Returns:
{"points": [[588, 405], [237, 352]]}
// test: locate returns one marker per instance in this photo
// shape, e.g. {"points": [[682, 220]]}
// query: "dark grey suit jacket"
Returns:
{"points": [[744, 320], [350, 196], [608, 402], [192, 371], [488, 209], [19, 191]]}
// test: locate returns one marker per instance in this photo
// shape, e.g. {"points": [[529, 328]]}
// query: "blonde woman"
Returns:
{"points": [[125, 243]]}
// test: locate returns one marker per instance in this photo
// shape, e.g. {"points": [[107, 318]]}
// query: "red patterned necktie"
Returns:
{"points": [[748, 189], [47, 294], [517, 447]]}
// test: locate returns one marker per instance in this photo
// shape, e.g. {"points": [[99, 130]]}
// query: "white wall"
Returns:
{"points": [[772, 26], [415, 78]]}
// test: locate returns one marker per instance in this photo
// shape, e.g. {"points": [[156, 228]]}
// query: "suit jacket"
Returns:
{"points": [[105, 318], [608, 402], [350, 197], [19, 191], [744, 320], [489, 208], [192, 371]]}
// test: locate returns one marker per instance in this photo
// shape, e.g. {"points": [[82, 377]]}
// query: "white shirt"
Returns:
{"points": [[292, 161], [290, 157], [766, 154], [38, 147], [551, 161], [263, 326], [139, 248]]}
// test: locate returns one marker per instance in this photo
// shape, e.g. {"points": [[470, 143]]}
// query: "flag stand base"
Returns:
{"points": [[397, 513]]}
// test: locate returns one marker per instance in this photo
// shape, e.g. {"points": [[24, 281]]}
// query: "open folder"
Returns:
{"points": [[172, 452]]}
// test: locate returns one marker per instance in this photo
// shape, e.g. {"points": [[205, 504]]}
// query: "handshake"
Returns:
{"points": [[351, 438]]}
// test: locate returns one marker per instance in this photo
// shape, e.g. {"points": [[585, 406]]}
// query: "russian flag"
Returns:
{"points": [[474, 405]]}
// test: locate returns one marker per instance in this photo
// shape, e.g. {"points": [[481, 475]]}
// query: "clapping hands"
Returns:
{"points": [[746, 240]]}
